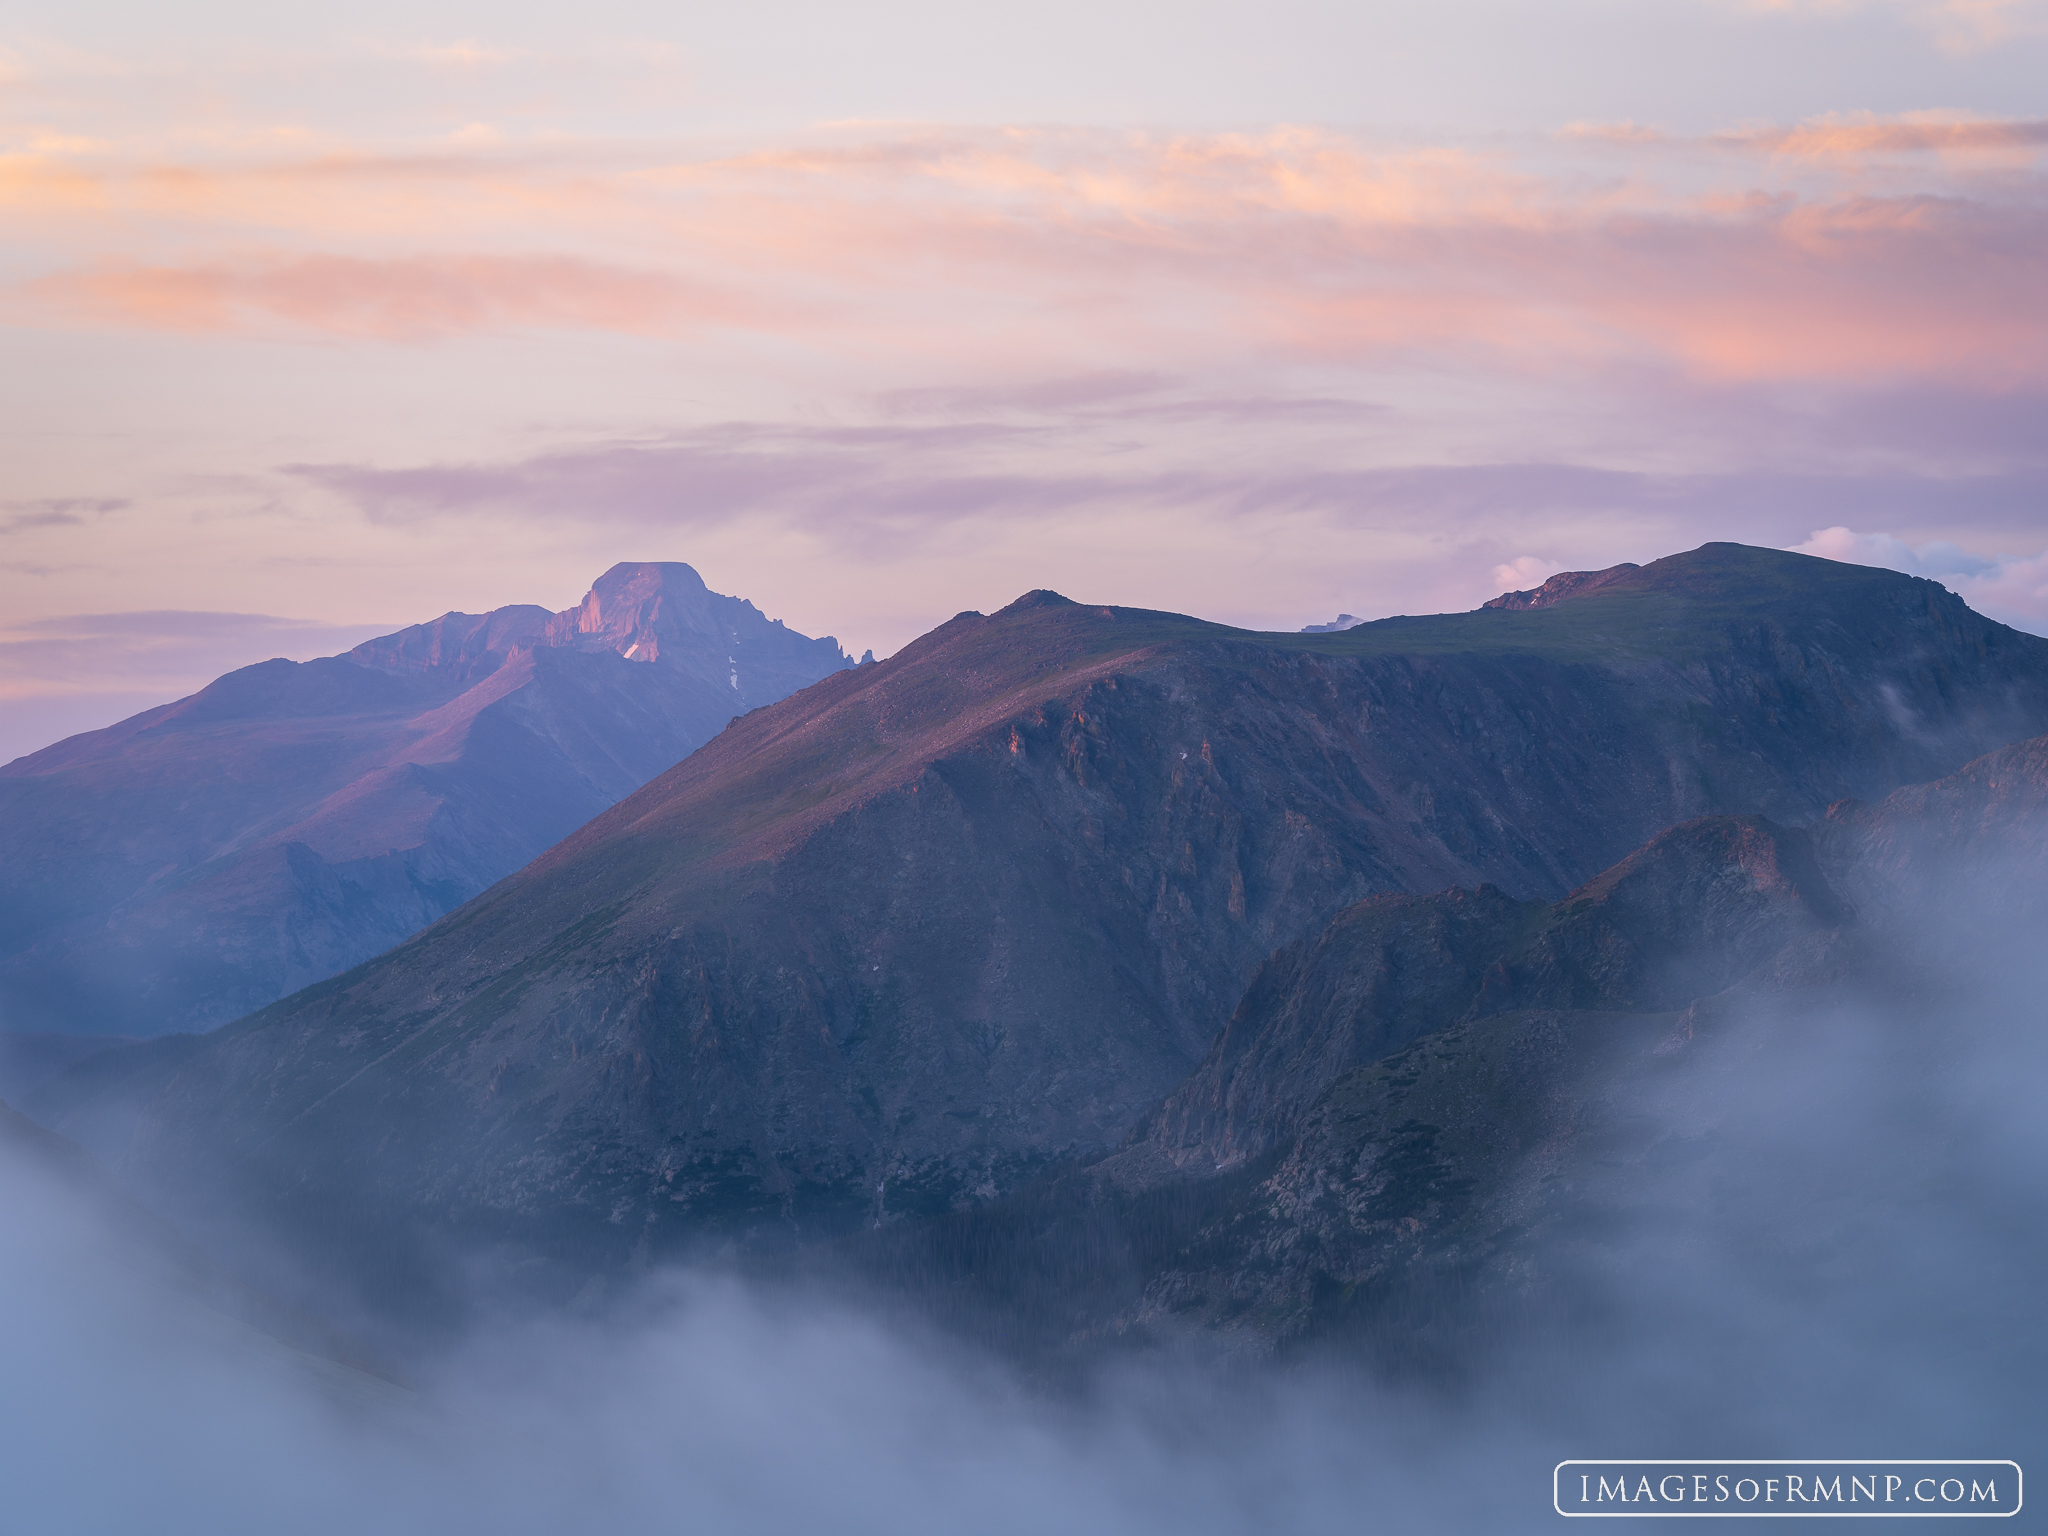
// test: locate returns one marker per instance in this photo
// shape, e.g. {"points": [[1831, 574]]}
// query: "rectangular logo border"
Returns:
{"points": [[2019, 1488]]}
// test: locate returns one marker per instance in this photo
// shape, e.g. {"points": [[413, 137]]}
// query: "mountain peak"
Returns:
{"points": [[638, 606], [293, 818], [914, 934], [455, 640], [1739, 573], [1565, 584], [638, 575], [1039, 597]]}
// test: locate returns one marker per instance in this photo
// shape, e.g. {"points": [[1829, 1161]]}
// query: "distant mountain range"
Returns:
{"points": [[291, 820], [1068, 883]]}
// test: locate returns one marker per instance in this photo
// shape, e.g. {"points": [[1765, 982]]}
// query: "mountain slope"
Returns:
{"points": [[1821, 988], [70, 1230], [1696, 909], [892, 945], [288, 821]]}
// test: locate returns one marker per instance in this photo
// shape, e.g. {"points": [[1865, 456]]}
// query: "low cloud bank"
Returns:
{"points": [[702, 1406], [1835, 1253]]}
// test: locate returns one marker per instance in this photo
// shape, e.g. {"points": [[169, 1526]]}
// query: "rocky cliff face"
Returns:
{"points": [[1981, 830], [1565, 584], [1700, 907], [888, 948], [288, 821], [1582, 1073], [1386, 970], [664, 615]]}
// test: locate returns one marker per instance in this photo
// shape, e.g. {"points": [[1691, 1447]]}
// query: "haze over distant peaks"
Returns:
{"points": [[644, 611], [291, 820], [897, 945]]}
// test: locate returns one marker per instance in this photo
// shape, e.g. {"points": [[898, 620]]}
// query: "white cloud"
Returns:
{"points": [[1958, 27], [1524, 572], [1965, 26], [2010, 588]]}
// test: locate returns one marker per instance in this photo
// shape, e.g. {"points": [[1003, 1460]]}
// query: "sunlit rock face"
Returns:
{"points": [[664, 614], [291, 820], [896, 944], [1562, 586]]}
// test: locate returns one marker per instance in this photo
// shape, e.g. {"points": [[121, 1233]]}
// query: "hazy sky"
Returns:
{"points": [[313, 327]]}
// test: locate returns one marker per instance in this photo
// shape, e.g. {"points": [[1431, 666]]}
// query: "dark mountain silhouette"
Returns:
{"points": [[892, 946], [1450, 1124], [1697, 909], [289, 821], [1426, 1158]]}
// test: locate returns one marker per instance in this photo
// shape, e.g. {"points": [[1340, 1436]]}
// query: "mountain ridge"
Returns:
{"points": [[1557, 1122], [1478, 1166], [1698, 906], [890, 948], [291, 819]]}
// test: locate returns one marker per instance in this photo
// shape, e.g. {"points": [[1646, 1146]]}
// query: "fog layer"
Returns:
{"points": [[1837, 1255]]}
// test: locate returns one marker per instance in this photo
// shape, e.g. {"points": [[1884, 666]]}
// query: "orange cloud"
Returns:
{"points": [[41, 183], [1911, 134], [1152, 246], [409, 299]]}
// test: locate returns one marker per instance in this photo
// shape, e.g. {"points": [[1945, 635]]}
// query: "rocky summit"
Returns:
{"points": [[290, 820], [897, 945]]}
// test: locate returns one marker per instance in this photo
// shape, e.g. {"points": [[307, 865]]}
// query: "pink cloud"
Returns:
{"points": [[2009, 587], [1169, 248], [399, 299], [1916, 133]]}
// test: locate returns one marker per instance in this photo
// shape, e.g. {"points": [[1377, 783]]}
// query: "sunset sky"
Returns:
{"points": [[315, 327]]}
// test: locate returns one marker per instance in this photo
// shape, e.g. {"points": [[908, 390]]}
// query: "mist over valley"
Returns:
{"points": [[1093, 1069]]}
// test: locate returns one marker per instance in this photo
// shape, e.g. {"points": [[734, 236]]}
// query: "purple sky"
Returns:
{"points": [[1257, 313]]}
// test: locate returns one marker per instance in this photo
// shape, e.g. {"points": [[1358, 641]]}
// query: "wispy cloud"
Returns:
{"points": [[1256, 541], [1307, 243], [400, 299], [1115, 389], [20, 516], [878, 371], [1965, 26], [20, 522], [1866, 134], [2001, 584], [1957, 27], [79, 672]]}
